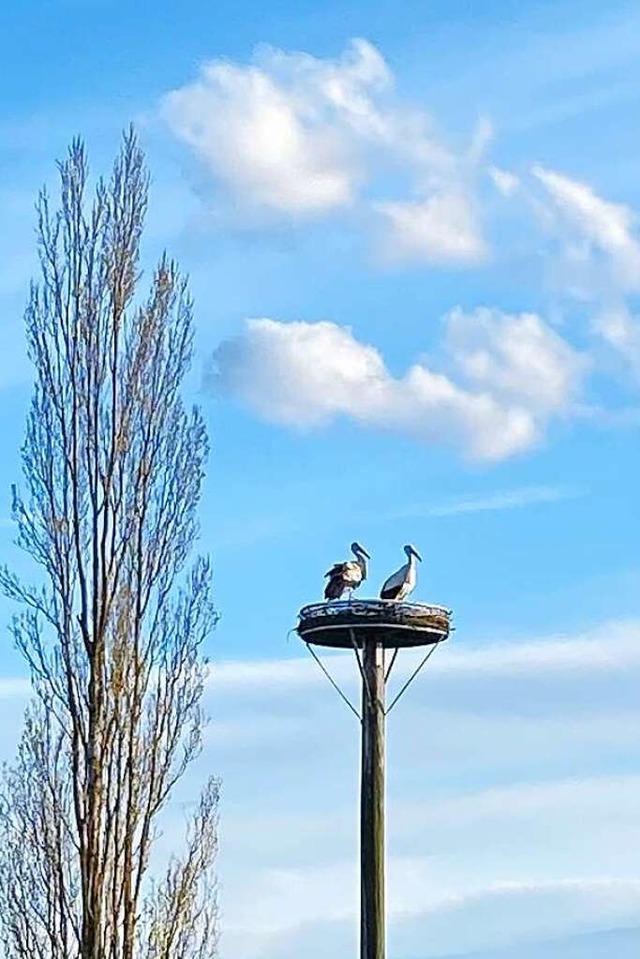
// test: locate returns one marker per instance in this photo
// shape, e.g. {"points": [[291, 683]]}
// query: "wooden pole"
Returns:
{"points": [[372, 788]]}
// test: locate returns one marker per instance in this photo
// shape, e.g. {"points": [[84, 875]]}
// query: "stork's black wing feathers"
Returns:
{"points": [[334, 588], [336, 569], [390, 593]]}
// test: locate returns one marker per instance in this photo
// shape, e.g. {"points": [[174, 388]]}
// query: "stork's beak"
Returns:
{"points": [[364, 552], [416, 554]]}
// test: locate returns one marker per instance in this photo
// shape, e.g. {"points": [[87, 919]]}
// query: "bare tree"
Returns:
{"points": [[113, 465]]}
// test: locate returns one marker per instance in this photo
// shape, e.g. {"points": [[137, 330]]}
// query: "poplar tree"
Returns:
{"points": [[113, 629]]}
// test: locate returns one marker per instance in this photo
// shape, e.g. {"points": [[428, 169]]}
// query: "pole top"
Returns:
{"points": [[344, 624]]}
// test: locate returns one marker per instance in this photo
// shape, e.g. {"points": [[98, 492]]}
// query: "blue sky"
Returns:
{"points": [[412, 237]]}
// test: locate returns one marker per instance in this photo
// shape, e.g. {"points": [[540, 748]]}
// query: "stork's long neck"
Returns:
{"points": [[362, 563]]}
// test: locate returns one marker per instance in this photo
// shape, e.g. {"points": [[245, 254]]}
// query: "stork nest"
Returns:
{"points": [[344, 624]]}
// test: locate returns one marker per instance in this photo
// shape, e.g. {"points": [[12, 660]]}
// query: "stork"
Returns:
{"points": [[348, 575], [403, 581]]}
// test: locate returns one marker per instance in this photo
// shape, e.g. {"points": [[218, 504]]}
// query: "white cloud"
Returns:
{"points": [[599, 258], [269, 130], [300, 374], [302, 137], [507, 183], [510, 374], [515, 357], [606, 227], [621, 330], [443, 228]]}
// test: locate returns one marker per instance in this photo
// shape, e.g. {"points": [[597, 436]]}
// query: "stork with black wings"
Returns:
{"points": [[348, 575], [403, 581]]}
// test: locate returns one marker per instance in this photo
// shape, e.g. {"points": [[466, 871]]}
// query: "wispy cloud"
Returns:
{"points": [[14, 688], [508, 499], [606, 227], [485, 869], [516, 910], [596, 259], [512, 825], [610, 647], [492, 502], [494, 914]]}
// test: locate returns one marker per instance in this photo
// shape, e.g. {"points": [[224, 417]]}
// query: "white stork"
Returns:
{"points": [[403, 581], [348, 575]]}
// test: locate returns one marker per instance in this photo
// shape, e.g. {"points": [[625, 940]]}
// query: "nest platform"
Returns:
{"points": [[345, 624]]}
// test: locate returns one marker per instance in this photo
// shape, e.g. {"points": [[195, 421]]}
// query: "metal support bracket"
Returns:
{"points": [[342, 696], [411, 679]]}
